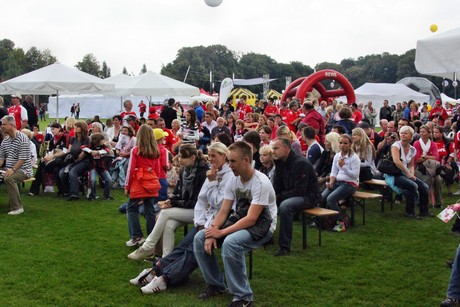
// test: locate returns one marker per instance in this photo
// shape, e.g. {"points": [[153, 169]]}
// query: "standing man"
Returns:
{"points": [[370, 114], [357, 115], [15, 152], [296, 188], [168, 113], [142, 108], [242, 109], [315, 120], [271, 110], [385, 111], [249, 187], [18, 112], [31, 111], [3, 110]]}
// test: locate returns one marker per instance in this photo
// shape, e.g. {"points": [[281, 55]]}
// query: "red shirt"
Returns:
{"points": [[443, 153], [291, 116], [243, 110], [170, 139], [357, 116], [142, 107], [125, 114], [19, 113], [284, 114], [270, 110]]}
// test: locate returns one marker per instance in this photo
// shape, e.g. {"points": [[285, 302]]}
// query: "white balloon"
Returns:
{"points": [[213, 3]]}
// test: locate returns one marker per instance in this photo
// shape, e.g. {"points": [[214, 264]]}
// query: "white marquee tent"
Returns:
{"points": [[439, 55], [377, 92]]}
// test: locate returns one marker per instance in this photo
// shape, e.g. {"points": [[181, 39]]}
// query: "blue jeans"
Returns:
{"points": [[234, 247], [287, 209], [415, 189], [453, 290], [341, 190], [132, 214], [77, 170], [106, 179]]}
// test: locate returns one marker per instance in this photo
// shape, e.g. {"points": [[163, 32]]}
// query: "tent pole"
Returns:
{"points": [[57, 106]]}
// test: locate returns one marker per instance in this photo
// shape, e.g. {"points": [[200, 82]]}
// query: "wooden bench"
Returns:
{"points": [[359, 198], [23, 183], [384, 188], [318, 214]]}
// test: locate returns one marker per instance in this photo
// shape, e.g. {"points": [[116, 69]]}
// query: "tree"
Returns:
{"points": [[6, 47], [144, 69], [89, 64], [36, 59], [105, 71], [15, 64]]}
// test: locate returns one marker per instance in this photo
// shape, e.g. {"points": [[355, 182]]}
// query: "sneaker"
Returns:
{"points": [[91, 198], [281, 252], [158, 284], [108, 198], [135, 241], [241, 303], [397, 202], [426, 214], [210, 292], [139, 254], [16, 212], [143, 277], [450, 302], [456, 193], [340, 227], [411, 216]]}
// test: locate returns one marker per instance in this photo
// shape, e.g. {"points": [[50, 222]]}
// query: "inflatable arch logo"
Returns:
{"points": [[301, 87]]}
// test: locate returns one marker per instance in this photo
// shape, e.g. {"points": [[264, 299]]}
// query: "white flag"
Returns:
{"points": [[225, 88]]}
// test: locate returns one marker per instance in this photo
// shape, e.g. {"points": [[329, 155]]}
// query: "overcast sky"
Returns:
{"points": [[131, 33]]}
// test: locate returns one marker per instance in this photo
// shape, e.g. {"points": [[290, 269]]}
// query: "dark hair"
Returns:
{"points": [[309, 133], [252, 137], [266, 129], [345, 112], [193, 120], [171, 101], [117, 116], [339, 128], [285, 142], [84, 130], [189, 150], [308, 106], [224, 138]]}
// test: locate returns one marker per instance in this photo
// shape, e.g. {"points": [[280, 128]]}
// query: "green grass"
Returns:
{"points": [[73, 253]]}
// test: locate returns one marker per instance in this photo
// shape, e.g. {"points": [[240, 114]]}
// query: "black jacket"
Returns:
{"points": [[181, 198], [296, 177], [168, 114]]}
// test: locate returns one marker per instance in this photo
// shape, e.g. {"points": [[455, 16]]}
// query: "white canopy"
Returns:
{"points": [[439, 55], [445, 98], [55, 79], [203, 97], [378, 92], [153, 84]]}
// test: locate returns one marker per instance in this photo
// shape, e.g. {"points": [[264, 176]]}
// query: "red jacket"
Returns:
{"points": [[316, 121]]}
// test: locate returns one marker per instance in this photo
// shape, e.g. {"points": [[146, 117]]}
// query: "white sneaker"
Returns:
{"points": [[456, 193], [49, 189], [139, 254], [156, 285], [135, 241], [16, 212], [145, 275]]}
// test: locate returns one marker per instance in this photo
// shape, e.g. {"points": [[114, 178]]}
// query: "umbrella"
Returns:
{"points": [[55, 79], [153, 84]]}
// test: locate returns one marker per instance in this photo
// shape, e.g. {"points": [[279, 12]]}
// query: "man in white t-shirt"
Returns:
{"points": [[238, 238]]}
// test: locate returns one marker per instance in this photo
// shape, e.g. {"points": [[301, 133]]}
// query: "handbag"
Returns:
{"points": [[365, 173], [388, 167], [145, 183], [262, 226]]}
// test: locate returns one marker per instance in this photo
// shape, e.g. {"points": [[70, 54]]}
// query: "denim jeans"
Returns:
{"points": [[287, 209], [180, 263], [415, 189], [106, 179], [234, 247], [454, 283], [341, 190], [77, 170], [132, 214]]}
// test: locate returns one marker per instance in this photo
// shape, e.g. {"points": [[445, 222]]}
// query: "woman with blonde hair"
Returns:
{"points": [[267, 160], [285, 132], [69, 126], [178, 209], [145, 156], [366, 153], [323, 166]]}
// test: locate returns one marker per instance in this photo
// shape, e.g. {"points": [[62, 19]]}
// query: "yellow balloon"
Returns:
{"points": [[434, 28]]}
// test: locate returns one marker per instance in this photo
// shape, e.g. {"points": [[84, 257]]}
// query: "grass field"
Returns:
{"points": [[73, 253]]}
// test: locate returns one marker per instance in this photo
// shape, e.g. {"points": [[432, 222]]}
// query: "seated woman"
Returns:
{"points": [[178, 209], [363, 147], [324, 166], [33, 148], [126, 142], [267, 160], [446, 153], [427, 150], [265, 135], [79, 162], [175, 268], [285, 132], [403, 155], [343, 181], [53, 161]]}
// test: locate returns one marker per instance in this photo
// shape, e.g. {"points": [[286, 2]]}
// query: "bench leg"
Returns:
{"points": [[320, 226], [304, 231], [353, 203], [364, 212]]}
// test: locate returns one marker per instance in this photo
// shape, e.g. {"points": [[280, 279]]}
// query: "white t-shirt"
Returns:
{"points": [[258, 190], [405, 159]]}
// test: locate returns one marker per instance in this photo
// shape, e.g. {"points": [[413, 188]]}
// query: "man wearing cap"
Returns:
{"points": [[131, 120], [18, 111], [438, 112], [15, 152]]}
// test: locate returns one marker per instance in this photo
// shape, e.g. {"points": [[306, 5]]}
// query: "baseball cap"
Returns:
{"points": [[159, 133], [16, 95]]}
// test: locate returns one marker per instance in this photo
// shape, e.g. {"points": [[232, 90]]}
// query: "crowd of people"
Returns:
{"points": [[232, 171]]}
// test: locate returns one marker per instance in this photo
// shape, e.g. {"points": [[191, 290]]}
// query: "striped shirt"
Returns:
{"points": [[16, 149]]}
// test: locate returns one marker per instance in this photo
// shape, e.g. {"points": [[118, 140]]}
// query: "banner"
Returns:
{"points": [[225, 88]]}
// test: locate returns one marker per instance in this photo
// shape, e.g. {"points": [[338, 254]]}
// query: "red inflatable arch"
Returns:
{"points": [[300, 87]]}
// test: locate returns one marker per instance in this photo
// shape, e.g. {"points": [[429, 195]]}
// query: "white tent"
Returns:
{"points": [[153, 84], [56, 79], [203, 97], [445, 98], [439, 55], [378, 92]]}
